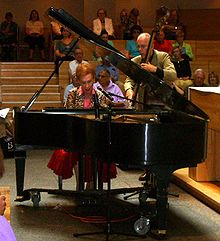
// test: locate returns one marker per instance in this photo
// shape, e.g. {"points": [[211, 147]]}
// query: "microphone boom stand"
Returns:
{"points": [[108, 228]]}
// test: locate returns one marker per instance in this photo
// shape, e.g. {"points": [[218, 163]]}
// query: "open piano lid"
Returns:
{"points": [[160, 89]]}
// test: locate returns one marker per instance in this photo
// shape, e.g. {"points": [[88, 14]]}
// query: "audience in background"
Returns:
{"points": [[186, 49], [162, 44], [105, 82], [107, 65], [102, 22], [74, 83], [182, 66], [133, 19], [213, 79], [8, 37], [78, 55], [123, 23], [97, 55], [198, 80], [35, 34], [172, 25], [131, 45], [64, 48], [183, 69]]}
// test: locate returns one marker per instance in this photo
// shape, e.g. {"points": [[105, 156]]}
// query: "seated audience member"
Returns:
{"points": [[74, 83], [186, 49], [111, 68], [172, 25], [213, 79], [102, 22], [133, 19], [98, 50], [105, 82], [8, 36], [35, 34], [162, 44], [81, 97], [198, 80], [123, 23], [78, 55], [131, 45], [183, 69], [64, 50], [56, 30], [6, 232]]}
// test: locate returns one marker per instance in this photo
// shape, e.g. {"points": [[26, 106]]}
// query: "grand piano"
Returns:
{"points": [[160, 140]]}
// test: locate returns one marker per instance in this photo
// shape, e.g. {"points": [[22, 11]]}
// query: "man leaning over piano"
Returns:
{"points": [[160, 65]]}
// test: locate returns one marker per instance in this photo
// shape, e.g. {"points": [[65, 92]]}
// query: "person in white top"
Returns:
{"points": [[78, 54], [102, 22], [35, 34]]}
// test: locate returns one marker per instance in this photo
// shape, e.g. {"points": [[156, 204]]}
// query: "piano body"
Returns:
{"points": [[159, 140]]}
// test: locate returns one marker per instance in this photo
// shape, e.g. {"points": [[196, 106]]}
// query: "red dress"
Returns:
{"points": [[62, 162]]}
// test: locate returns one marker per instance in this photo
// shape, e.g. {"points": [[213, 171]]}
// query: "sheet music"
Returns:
{"points": [[4, 112], [207, 89]]}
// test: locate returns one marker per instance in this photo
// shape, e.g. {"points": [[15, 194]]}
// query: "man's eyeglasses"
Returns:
{"points": [[142, 46], [136, 31]]}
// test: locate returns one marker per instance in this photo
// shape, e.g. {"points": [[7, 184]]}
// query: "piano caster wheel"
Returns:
{"points": [[142, 226], [35, 198]]}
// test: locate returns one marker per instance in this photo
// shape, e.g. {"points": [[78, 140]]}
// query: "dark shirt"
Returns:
{"points": [[182, 68], [8, 38]]}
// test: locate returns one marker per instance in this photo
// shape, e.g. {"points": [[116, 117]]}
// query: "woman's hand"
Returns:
{"points": [[2, 204]]}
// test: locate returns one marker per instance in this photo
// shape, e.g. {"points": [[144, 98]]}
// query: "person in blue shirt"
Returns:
{"points": [[107, 65], [131, 45]]}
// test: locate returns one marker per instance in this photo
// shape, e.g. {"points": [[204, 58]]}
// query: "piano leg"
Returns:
{"points": [[20, 157], [162, 174]]}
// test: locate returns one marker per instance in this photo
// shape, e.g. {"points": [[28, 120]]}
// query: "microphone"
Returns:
{"points": [[105, 93]]}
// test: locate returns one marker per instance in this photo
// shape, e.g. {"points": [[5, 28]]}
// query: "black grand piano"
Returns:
{"points": [[160, 140]]}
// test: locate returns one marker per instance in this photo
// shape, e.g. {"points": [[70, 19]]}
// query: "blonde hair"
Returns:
{"points": [[84, 69]]}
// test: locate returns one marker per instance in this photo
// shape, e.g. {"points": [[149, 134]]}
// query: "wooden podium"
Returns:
{"points": [[208, 99]]}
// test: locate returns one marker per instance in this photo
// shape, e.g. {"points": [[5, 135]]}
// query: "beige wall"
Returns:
{"points": [[85, 10], [21, 9]]}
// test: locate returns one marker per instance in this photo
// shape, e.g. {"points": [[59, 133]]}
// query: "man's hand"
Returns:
{"points": [[129, 94], [149, 67], [2, 204]]}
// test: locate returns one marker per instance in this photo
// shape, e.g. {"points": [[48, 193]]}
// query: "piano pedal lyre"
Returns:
{"points": [[60, 183]]}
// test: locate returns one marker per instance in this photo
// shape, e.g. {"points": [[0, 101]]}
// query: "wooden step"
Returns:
{"points": [[26, 72], [38, 105], [27, 65], [26, 97], [27, 80], [29, 88]]}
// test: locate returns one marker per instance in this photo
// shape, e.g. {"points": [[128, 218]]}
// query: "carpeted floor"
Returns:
{"points": [[58, 217]]}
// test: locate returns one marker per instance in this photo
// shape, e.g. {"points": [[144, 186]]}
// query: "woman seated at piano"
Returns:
{"points": [[82, 97]]}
